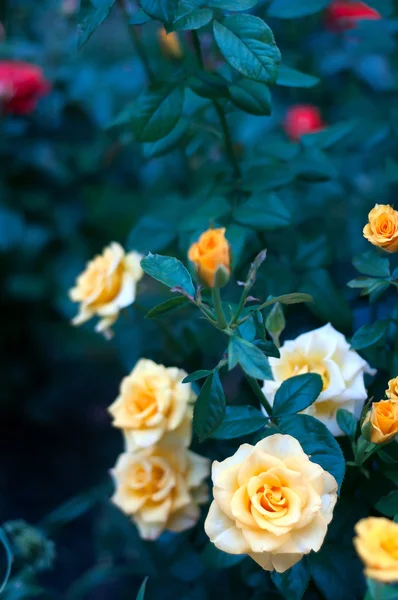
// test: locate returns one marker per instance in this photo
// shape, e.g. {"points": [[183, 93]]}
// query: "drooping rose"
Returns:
{"points": [[153, 401], [324, 351], [376, 542], [382, 229], [161, 487], [211, 254], [343, 14], [107, 285], [382, 421], [21, 87], [270, 502], [302, 119]]}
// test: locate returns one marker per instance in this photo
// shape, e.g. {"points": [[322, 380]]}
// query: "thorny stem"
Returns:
{"points": [[221, 114], [138, 45]]}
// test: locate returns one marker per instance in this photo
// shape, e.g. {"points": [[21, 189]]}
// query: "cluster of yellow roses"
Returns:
{"points": [[270, 500]]}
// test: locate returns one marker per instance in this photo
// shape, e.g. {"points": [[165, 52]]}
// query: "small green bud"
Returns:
{"points": [[275, 322]]}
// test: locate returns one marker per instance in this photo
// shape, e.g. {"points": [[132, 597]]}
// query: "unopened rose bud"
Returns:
{"points": [[211, 256], [381, 422], [170, 44]]}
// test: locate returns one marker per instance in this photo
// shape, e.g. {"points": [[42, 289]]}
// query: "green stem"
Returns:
{"points": [[241, 304], [260, 396], [218, 308], [220, 112], [137, 43]]}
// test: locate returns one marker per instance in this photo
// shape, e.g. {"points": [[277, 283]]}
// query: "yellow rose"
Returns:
{"points": [[170, 44], [392, 391], [209, 254], [107, 285], [377, 545], [383, 419], [161, 487], [270, 502], [153, 401], [382, 229]]}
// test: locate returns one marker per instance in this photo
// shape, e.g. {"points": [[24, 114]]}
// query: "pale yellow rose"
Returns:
{"points": [[161, 487], [324, 351], [209, 254], [382, 229], [170, 43], [382, 420], [107, 285], [153, 401], [392, 391], [377, 545], [270, 502]]}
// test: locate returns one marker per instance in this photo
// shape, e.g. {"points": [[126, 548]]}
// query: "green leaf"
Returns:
{"points": [[329, 302], [90, 16], [196, 19], [347, 422], [263, 211], [150, 233], [169, 271], [161, 10], [267, 347], [213, 558], [293, 298], [7, 549], [297, 393], [329, 136], [251, 359], [248, 45], [156, 112], [167, 143], [168, 306], [251, 96], [233, 5], [337, 572], [292, 9], [201, 374], [388, 505], [141, 591], [317, 442], [293, 583], [139, 18], [238, 421], [371, 263], [370, 335], [209, 407], [289, 77], [209, 85]]}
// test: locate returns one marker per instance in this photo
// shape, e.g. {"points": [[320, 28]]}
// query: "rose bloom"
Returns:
{"points": [[382, 229], [170, 43], [21, 86], [270, 502], [161, 487], [209, 254], [392, 391], [382, 420], [341, 14], [302, 119], [324, 351], [377, 545], [107, 285], [153, 401]]}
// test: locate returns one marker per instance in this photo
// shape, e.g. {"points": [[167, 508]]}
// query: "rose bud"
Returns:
{"points": [[170, 44], [21, 86], [212, 258], [381, 422], [302, 119], [342, 15]]}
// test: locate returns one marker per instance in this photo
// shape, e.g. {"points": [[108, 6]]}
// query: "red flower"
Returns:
{"points": [[342, 15], [302, 119], [21, 86]]}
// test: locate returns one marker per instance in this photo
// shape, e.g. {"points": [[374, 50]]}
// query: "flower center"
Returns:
{"points": [[390, 545], [272, 499], [306, 366]]}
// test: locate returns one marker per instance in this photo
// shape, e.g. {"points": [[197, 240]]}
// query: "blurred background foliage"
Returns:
{"points": [[71, 182]]}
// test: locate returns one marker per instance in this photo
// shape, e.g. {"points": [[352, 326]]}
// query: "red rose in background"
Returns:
{"points": [[21, 86], [302, 119], [342, 14]]}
